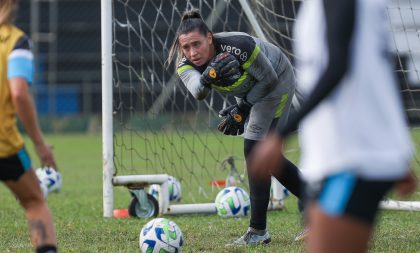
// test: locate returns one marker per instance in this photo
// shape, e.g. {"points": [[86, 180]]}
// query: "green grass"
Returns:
{"points": [[80, 226]]}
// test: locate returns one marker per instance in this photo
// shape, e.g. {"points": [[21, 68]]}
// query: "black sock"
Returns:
{"points": [[46, 249], [259, 197], [288, 175], [259, 189]]}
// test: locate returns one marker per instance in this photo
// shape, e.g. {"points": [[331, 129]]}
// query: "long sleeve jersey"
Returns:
{"points": [[266, 71]]}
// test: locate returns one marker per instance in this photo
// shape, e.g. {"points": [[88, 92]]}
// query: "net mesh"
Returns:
{"points": [[161, 128]]}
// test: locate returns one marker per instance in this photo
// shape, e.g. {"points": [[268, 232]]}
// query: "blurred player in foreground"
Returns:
{"points": [[16, 73], [354, 139]]}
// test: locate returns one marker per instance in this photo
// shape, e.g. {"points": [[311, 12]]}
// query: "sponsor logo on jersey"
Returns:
{"points": [[182, 61], [235, 51], [244, 56]]}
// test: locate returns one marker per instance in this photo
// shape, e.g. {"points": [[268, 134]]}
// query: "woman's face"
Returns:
{"points": [[196, 47]]}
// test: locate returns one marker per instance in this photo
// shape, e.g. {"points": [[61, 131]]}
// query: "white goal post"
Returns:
{"points": [[107, 125]]}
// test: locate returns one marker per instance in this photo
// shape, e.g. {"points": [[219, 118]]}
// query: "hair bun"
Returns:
{"points": [[191, 14]]}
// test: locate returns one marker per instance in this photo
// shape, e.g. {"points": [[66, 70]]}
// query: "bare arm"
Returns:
{"points": [[25, 108]]}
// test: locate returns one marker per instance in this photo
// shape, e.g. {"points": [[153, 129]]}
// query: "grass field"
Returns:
{"points": [[80, 226]]}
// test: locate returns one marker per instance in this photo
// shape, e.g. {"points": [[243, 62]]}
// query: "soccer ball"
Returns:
{"points": [[49, 178], [174, 187], [278, 201], [161, 235], [232, 202], [44, 189]]}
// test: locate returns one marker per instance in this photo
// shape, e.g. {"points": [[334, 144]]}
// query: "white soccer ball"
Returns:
{"points": [[277, 200], [174, 188], [161, 235], [232, 202], [49, 178], [44, 189]]}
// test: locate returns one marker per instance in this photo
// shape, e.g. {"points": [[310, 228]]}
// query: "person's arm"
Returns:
{"points": [[340, 19], [25, 108], [20, 68], [191, 79]]}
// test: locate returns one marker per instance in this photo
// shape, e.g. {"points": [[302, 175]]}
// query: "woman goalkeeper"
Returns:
{"points": [[261, 78]]}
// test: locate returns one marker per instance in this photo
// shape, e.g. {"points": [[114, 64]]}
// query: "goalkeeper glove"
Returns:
{"points": [[223, 71], [234, 118]]}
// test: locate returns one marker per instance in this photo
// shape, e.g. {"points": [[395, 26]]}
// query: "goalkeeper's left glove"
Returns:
{"points": [[234, 118]]}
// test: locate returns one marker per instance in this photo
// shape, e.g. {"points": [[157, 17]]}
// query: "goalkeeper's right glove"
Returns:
{"points": [[234, 118], [223, 70]]}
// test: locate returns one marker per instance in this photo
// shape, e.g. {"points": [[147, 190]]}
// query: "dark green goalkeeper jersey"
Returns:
{"points": [[266, 71]]}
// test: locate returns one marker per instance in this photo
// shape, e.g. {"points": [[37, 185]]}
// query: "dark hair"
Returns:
{"points": [[191, 20]]}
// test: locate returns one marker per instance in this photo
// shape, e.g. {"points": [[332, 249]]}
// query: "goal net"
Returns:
{"points": [[153, 126]]}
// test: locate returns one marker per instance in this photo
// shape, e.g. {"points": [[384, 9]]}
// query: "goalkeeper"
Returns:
{"points": [[261, 78]]}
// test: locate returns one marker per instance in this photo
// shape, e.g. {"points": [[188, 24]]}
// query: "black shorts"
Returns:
{"points": [[13, 167], [346, 194]]}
